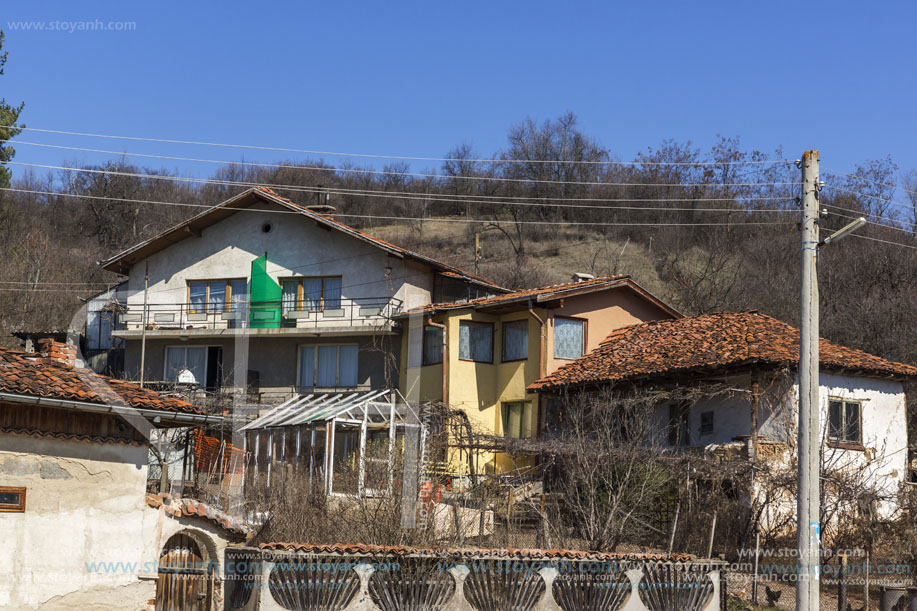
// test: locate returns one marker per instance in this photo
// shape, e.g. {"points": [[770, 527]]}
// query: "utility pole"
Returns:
{"points": [[808, 524], [477, 254], [146, 288]]}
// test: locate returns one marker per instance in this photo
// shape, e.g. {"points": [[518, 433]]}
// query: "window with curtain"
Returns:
{"points": [[312, 294], [329, 366], [214, 296], [289, 295], [197, 295], [217, 297], [476, 341], [432, 345], [569, 336], [516, 340], [844, 421], [190, 358], [518, 420]]}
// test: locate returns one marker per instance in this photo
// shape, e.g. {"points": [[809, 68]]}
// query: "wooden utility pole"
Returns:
{"points": [[808, 525], [146, 288]]}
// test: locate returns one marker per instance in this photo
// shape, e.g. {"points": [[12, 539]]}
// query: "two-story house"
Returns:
{"points": [[478, 357], [300, 301]]}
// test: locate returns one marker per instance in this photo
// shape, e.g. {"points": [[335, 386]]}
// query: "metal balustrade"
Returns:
{"points": [[346, 313]]}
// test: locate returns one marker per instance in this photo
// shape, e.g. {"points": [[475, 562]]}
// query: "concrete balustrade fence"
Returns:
{"points": [[272, 580]]}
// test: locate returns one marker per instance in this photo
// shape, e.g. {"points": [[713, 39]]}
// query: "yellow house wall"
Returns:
{"points": [[480, 389]]}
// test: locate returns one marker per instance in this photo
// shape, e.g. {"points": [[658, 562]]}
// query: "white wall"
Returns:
{"points": [[296, 246], [85, 503]]}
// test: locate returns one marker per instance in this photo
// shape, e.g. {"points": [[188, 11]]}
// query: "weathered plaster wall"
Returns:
{"points": [[84, 504], [87, 539]]}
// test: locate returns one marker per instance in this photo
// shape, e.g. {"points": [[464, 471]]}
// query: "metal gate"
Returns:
{"points": [[185, 581]]}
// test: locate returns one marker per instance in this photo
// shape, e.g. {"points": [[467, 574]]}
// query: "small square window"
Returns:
{"points": [[706, 423], [844, 421], [12, 499]]}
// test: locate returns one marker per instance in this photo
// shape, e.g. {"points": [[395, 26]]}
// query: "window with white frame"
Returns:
{"points": [[515, 340], [476, 341], [844, 421], [569, 338], [192, 359], [328, 366]]}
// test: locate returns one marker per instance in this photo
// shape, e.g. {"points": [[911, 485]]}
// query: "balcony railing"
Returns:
{"points": [[358, 312]]}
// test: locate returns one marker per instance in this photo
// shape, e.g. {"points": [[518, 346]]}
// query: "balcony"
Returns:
{"points": [[358, 316]]}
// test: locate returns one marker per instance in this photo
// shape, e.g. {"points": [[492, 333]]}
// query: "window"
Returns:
{"points": [[476, 341], [518, 421], [432, 345], [186, 358], [706, 423], [328, 366], [311, 294], [516, 340], [844, 421], [569, 338], [12, 499], [216, 295]]}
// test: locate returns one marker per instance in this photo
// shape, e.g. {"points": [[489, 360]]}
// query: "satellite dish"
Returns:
{"points": [[186, 377]]}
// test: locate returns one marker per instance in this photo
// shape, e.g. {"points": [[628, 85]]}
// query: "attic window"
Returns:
{"points": [[267, 228], [12, 499]]}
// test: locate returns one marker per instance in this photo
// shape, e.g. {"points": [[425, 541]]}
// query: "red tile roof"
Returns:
{"points": [[30, 374], [183, 507], [440, 552], [547, 293], [710, 341]]}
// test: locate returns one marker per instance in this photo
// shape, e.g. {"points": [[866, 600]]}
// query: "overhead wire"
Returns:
{"points": [[389, 173], [383, 194], [402, 157]]}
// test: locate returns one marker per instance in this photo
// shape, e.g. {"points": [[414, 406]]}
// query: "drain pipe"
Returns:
{"points": [[541, 348], [445, 358]]}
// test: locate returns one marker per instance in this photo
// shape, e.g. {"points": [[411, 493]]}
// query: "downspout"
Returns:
{"points": [[541, 347], [445, 358], [541, 363]]}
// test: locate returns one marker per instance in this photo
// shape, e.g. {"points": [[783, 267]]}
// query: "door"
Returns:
{"points": [[185, 581]]}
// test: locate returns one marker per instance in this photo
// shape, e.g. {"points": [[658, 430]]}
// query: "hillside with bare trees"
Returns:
{"points": [[707, 230]]}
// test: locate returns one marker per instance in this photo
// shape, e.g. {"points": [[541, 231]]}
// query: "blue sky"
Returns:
{"points": [[416, 78]]}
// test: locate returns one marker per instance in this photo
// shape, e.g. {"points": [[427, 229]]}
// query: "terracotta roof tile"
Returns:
{"points": [[191, 508], [555, 291], [27, 373], [440, 552], [713, 340]]}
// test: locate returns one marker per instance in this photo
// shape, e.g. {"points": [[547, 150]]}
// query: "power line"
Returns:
{"points": [[871, 222], [383, 194], [873, 197], [349, 190], [390, 173], [866, 237], [402, 157], [875, 182]]}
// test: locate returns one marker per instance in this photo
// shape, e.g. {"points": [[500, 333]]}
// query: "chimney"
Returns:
{"points": [[582, 277], [58, 351]]}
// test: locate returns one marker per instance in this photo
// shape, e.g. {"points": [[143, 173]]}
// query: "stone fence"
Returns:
{"points": [[365, 578]]}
